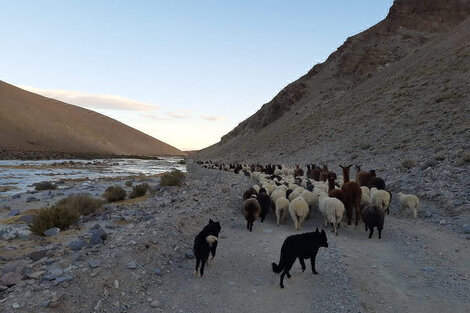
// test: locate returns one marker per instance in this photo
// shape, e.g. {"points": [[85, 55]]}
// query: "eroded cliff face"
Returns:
{"points": [[409, 25]]}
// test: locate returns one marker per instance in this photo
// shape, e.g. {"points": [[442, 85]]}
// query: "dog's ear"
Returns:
{"points": [[211, 221], [317, 230], [323, 233]]}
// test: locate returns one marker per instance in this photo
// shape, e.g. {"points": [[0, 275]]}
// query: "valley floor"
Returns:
{"points": [[417, 266]]}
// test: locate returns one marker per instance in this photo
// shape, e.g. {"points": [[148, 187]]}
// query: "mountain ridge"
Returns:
{"points": [[34, 124]]}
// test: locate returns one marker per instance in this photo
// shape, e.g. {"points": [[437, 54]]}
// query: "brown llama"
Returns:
{"points": [[353, 193]]}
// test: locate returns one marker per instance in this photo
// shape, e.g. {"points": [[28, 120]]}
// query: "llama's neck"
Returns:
{"points": [[331, 184], [345, 176]]}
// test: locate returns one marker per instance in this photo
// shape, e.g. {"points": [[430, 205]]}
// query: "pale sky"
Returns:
{"points": [[185, 72]]}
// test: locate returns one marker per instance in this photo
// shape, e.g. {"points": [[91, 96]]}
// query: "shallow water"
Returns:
{"points": [[17, 176]]}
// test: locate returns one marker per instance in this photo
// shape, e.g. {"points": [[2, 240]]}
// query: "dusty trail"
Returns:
{"points": [[415, 267]]}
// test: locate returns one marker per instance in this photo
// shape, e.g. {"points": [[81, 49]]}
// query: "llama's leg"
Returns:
{"points": [[312, 263], [358, 212], [335, 229], [380, 232], [415, 213], [365, 225], [349, 214], [302, 263], [278, 218], [371, 231], [247, 225]]}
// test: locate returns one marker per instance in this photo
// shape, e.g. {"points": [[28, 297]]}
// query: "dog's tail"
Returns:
{"points": [[280, 267], [211, 239]]}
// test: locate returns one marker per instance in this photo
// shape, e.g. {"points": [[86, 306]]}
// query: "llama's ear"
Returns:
{"points": [[323, 232], [211, 221], [317, 231]]}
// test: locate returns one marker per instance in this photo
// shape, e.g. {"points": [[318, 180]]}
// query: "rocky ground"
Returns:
{"points": [[136, 257]]}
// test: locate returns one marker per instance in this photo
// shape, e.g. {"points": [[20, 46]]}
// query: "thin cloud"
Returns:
{"points": [[93, 101], [154, 117], [181, 114], [213, 118]]}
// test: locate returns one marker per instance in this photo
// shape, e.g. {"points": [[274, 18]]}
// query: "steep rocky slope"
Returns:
{"points": [[30, 122], [395, 94]]}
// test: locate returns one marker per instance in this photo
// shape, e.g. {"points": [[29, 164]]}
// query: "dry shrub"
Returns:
{"points": [[115, 193], [45, 185], [64, 213], [139, 191], [173, 178]]}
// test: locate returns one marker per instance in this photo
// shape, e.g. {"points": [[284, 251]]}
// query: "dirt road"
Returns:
{"points": [[415, 267]]}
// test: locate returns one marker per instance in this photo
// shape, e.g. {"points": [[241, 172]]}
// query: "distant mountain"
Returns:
{"points": [[398, 88], [30, 123]]}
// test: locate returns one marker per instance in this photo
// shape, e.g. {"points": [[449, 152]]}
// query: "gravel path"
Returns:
{"points": [[416, 266]]}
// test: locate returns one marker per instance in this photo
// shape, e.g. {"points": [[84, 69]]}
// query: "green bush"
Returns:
{"points": [[407, 163], [173, 178], [129, 183], [182, 162], [114, 193], [64, 213], [45, 185], [139, 191], [82, 203]]}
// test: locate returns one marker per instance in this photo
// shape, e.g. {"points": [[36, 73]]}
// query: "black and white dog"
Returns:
{"points": [[205, 243], [302, 246]]}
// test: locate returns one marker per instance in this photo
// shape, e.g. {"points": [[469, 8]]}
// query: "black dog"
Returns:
{"points": [[205, 242], [302, 246]]}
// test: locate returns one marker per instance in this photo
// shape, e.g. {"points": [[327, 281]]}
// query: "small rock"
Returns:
{"points": [[131, 265], [53, 273], [14, 212], [427, 214], [158, 272], [442, 222], [35, 275], [15, 306], [466, 229], [77, 245], [10, 279], [428, 268], [189, 255], [37, 255], [52, 232], [116, 284], [94, 263], [98, 306], [27, 219], [98, 235], [155, 304], [62, 279], [32, 199]]}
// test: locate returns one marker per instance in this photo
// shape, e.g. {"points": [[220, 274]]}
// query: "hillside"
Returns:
{"points": [[395, 93], [33, 124]]}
